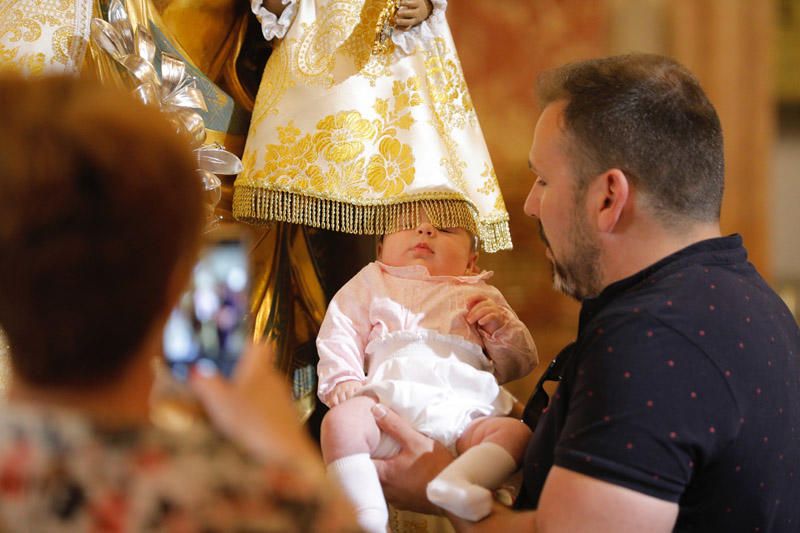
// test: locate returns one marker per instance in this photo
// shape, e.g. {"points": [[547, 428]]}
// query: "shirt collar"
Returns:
{"points": [[420, 272], [719, 250]]}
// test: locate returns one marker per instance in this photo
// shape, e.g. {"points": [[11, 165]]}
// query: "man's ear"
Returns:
{"points": [[608, 196]]}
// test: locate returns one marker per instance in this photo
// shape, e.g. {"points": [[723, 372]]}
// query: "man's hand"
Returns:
{"points": [[406, 475], [412, 12], [501, 519], [487, 315], [343, 391]]}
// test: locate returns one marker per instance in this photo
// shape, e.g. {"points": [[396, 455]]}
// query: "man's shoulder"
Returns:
{"points": [[696, 294], [720, 319], [663, 322]]}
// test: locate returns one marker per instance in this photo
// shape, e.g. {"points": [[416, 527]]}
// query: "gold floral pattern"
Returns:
{"points": [[344, 33], [448, 88], [348, 155], [341, 137], [275, 81], [490, 186], [346, 180], [360, 45], [452, 106], [292, 163], [43, 35], [392, 168], [388, 131]]}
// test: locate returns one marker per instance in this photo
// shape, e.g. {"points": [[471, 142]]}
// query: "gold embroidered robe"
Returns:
{"points": [[44, 36], [353, 140]]}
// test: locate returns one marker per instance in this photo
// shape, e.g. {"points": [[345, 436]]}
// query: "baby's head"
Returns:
{"points": [[444, 251]]}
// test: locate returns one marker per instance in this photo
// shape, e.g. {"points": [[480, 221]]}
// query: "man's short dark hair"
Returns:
{"points": [[648, 116], [99, 206]]}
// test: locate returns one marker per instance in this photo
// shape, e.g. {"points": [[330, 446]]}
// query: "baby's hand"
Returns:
{"points": [[487, 315], [343, 391], [412, 12]]}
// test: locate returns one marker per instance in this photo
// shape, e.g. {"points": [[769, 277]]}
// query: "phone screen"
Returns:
{"points": [[208, 326]]}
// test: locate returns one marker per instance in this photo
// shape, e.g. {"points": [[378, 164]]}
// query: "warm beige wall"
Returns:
{"points": [[729, 45], [504, 45]]}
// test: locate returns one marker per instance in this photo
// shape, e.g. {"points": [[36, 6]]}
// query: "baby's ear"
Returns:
{"points": [[472, 265]]}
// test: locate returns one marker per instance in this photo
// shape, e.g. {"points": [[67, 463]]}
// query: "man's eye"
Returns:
{"points": [[540, 182]]}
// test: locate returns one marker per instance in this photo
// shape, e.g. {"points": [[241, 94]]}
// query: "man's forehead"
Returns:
{"points": [[553, 116], [550, 131]]}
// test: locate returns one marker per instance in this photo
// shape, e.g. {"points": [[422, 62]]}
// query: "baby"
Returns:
{"points": [[422, 333]]}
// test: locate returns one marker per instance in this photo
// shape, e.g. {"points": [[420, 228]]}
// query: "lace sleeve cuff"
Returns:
{"points": [[425, 32], [439, 7], [272, 26]]}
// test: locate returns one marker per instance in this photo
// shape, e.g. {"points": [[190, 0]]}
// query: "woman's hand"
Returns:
{"points": [[412, 12], [255, 408]]}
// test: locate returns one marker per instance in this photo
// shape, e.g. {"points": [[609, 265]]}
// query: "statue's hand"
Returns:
{"points": [[412, 12]]}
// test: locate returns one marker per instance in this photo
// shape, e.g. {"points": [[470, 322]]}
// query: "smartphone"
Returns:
{"points": [[209, 326]]}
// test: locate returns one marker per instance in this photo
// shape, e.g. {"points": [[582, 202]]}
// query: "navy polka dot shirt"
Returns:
{"points": [[683, 384]]}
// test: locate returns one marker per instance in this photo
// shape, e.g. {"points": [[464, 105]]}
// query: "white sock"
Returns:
{"points": [[465, 487], [359, 480]]}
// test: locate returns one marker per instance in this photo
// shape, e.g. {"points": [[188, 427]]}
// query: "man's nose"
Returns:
{"points": [[532, 202]]}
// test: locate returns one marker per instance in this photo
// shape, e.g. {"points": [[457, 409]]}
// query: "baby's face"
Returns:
{"points": [[445, 252]]}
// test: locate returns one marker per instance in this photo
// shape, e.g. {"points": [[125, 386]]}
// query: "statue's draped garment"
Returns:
{"points": [[348, 138]]}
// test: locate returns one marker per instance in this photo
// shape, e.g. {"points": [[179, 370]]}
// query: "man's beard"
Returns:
{"points": [[578, 275]]}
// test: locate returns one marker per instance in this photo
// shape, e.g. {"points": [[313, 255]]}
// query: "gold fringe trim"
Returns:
{"points": [[260, 206]]}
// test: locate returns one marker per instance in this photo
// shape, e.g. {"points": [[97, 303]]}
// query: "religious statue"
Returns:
{"points": [[224, 53]]}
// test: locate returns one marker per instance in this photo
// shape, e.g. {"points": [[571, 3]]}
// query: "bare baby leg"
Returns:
{"points": [[349, 436], [490, 450]]}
